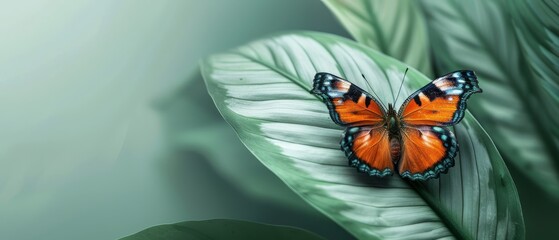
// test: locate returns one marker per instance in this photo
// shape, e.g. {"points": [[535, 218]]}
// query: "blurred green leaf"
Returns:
{"points": [[395, 28], [221, 229], [262, 91], [537, 28], [478, 35]]}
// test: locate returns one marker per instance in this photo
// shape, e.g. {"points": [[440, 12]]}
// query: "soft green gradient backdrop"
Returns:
{"points": [[83, 149]]}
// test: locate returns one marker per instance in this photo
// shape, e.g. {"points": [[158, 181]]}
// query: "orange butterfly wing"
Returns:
{"points": [[365, 141], [441, 102], [368, 149], [349, 105], [427, 151], [428, 147]]}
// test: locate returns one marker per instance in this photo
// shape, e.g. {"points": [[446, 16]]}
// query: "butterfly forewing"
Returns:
{"points": [[365, 141], [348, 104], [428, 146], [441, 102]]}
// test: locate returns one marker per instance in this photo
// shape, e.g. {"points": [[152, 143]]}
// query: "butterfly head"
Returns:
{"points": [[391, 111]]}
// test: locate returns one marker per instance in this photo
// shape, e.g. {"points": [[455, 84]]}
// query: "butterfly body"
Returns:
{"points": [[392, 124], [414, 141]]}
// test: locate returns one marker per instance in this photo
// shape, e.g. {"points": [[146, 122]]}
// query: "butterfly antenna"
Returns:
{"points": [[401, 84], [372, 90]]}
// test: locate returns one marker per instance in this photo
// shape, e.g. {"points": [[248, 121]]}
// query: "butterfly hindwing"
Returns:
{"points": [[348, 104], [368, 149], [427, 151], [441, 102]]}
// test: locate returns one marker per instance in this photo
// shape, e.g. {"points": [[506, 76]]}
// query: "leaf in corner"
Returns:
{"points": [[262, 90], [221, 229], [395, 28], [479, 35]]}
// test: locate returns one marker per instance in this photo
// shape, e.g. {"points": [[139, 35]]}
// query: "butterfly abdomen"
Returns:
{"points": [[395, 149]]}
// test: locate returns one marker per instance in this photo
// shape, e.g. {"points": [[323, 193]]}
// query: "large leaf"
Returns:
{"points": [[221, 229], [478, 35], [395, 28], [262, 91]]}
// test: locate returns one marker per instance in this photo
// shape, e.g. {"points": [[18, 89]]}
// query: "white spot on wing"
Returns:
{"points": [[335, 94], [454, 92]]}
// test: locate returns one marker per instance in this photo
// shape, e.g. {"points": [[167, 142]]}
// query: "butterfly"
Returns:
{"points": [[416, 140]]}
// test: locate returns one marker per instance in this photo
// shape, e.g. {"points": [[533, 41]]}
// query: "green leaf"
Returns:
{"points": [[478, 35], [536, 25], [262, 91], [395, 28], [221, 229]]}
